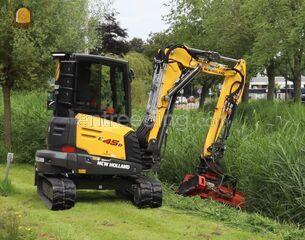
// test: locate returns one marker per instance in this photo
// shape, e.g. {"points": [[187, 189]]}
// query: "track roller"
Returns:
{"points": [[57, 192]]}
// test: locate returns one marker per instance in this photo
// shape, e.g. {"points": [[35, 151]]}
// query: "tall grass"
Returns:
{"points": [[30, 119], [231, 217], [265, 151]]}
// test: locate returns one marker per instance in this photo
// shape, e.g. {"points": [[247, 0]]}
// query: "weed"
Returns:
{"points": [[11, 228]]}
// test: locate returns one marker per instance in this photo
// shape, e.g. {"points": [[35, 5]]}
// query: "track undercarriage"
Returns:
{"points": [[58, 192]]}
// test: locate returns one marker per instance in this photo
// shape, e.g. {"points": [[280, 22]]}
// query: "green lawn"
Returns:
{"points": [[102, 215]]}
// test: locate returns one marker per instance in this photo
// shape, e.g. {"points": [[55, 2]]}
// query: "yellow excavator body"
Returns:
{"points": [[101, 137]]}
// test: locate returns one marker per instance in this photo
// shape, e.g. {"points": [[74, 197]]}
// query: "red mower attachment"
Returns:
{"points": [[206, 186]]}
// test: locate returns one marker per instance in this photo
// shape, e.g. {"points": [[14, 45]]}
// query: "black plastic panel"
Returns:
{"points": [[65, 96], [66, 81], [132, 148], [67, 67], [62, 131]]}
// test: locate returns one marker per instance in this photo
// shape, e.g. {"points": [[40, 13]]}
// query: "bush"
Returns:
{"points": [[30, 119]]}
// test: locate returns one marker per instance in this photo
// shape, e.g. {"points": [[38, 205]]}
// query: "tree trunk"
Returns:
{"points": [[297, 81], [271, 80], [245, 97], [297, 88], [6, 89], [204, 92]]}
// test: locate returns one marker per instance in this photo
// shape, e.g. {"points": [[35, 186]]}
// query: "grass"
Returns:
{"points": [[6, 188], [30, 119], [265, 150], [11, 228], [101, 215], [266, 153]]}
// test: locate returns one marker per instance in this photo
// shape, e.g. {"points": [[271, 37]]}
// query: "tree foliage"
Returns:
{"points": [[140, 85], [111, 37], [136, 45], [268, 34], [54, 28], [280, 37], [25, 53], [155, 42]]}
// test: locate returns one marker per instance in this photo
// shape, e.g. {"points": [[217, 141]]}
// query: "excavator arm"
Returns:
{"points": [[175, 67]]}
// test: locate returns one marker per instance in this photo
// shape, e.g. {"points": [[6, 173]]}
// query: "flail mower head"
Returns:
{"points": [[209, 185]]}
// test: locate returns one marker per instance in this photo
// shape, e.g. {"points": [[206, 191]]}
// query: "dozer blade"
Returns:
{"points": [[203, 186]]}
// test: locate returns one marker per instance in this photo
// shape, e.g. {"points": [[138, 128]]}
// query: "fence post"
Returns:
{"points": [[9, 159]]}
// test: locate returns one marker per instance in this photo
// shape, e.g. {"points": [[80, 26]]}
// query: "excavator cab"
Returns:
{"points": [[90, 84]]}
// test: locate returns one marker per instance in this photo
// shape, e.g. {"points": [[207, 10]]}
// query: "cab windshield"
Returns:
{"points": [[100, 88]]}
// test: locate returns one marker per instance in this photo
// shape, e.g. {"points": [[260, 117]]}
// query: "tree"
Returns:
{"points": [[136, 45], [111, 37], [280, 37], [198, 23], [7, 70], [25, 54], [155, 42]]}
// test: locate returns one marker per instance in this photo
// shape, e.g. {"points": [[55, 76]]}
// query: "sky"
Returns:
{"points": [[141, 17]]}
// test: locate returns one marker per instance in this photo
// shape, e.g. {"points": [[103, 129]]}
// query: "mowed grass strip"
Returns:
{"points": [[102, 215]]}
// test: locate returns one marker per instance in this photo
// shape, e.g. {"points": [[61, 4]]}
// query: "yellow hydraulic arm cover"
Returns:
{"points": [[175, 67], [232, 87]]}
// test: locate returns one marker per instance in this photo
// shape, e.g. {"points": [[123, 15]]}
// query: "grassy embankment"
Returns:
{"points": [[102, 215], [265, 151]]}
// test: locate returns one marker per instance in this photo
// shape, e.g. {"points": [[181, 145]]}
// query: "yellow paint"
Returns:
{"points": [[92, 132], [23, 16], [57, 70], [82, 171], [220, 114], [172, 74]]}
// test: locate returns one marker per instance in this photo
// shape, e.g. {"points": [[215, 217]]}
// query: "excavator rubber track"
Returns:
{"points": [[147, 193], [143, 192], [57, 192]]}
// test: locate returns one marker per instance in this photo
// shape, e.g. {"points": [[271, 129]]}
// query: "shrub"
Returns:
{"points": [[140, 86]]}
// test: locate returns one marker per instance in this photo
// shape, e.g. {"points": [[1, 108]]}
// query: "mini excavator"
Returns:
{"points": [[90, 144]]}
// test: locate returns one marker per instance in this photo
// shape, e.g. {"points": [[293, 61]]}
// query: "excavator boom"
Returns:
{"points": [[175, 67]]}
